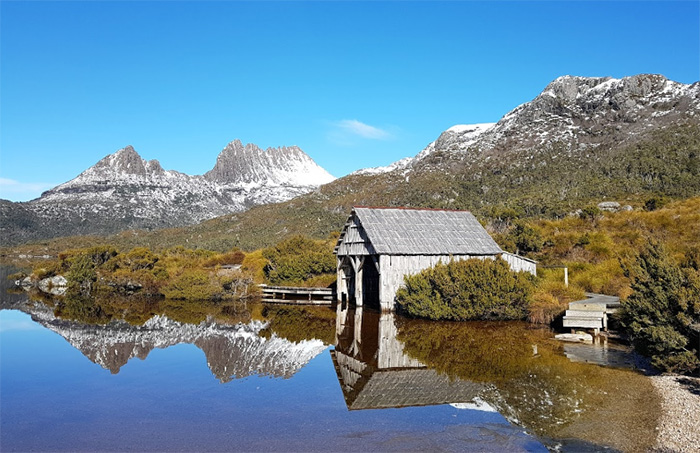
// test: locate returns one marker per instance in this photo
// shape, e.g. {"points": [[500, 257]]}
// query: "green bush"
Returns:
{"points": [[660, 313], [192, 284], [467, 290], [526, 238], [654, 203], [298, 259]]}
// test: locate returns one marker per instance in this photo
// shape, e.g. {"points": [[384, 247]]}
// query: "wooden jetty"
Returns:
{"points": [[591, 313], [297, 295]]}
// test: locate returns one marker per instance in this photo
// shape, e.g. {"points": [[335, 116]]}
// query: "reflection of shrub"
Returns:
{"points": [[17, 276], [80, 308], [300, 323], [466, 290], [533, 382]]}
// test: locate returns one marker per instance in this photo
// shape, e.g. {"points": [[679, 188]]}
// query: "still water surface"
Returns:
{"points": [[256, 377]]}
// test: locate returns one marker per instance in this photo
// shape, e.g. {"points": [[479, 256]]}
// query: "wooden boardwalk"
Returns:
{"points": [[591, 313], [297, 295]]}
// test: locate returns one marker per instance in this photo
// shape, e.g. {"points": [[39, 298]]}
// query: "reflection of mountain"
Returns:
{"points": [[232, 351], [375, 373]]}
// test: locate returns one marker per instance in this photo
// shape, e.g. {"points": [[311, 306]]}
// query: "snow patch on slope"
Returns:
{"points": [[466, 134]]}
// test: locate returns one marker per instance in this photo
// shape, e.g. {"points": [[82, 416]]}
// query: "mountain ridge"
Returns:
{"points": [[124, 191], [581, 140], [588, 110]]}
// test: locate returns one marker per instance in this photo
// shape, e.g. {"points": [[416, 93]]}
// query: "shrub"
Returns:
{"points": [[551, 299], [606, 277], [141, 258], [660, 313], [192, 284], [544, 308], [590, 213], [255, 263], [81, 274], [467, 290], [654, 203], [526, 238], [232, 257], [298, 259]]}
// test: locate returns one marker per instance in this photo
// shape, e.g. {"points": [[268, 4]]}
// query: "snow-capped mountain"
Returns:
{"points": [[575, 112], [123, 191]]}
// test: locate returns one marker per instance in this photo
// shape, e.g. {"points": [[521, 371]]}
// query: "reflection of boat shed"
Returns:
{"points": [[379, 246], [374, 372]]}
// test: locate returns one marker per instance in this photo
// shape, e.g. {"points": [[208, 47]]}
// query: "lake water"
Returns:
{"points": [[253, 377]]}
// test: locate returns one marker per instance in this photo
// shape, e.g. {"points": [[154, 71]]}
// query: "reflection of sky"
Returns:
{"points": [[53, 398], [15, 320]]}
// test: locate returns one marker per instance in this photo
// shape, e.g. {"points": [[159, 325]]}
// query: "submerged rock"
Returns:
{"points": [[575, 337]]}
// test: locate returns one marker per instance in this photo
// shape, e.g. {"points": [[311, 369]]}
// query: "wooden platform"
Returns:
{"points": [[591, 313], [297, 295]]}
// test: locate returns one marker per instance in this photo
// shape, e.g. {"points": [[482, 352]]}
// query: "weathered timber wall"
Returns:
{"points": [[519, 263], [355, 242], [393, 268]]}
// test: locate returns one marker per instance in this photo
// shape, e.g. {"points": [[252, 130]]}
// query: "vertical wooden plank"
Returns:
{"points": [[359, 273]]}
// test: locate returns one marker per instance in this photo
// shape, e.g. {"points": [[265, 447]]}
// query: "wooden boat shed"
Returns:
{"points": [[379, 246]]}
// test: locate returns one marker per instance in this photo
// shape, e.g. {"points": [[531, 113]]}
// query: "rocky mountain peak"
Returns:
{"points": [[573, 113], [244, 164], [123, 191], [607, 92], [128, 161], [588, 111]]}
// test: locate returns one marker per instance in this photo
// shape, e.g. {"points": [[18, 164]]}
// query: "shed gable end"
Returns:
{"points": [[354, 240]]}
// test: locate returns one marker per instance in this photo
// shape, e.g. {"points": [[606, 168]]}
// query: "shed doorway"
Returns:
{"points": [[370, 283]]}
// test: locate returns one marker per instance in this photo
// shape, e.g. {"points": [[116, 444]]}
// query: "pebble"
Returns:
{"points": [[679, 425]]}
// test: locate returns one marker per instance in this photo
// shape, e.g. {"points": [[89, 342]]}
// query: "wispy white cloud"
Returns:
{"points": [[20, 191], [363, 130]]}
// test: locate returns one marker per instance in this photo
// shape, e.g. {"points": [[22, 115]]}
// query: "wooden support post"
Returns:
{"points": [[359, 264], [339, 280], [375, 260]]}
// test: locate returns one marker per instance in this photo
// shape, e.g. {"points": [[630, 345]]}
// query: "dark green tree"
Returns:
{"points": [[526, 238], [661, 314]]}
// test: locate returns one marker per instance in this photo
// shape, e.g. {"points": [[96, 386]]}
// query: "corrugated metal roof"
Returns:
{"points": [[399, 231]]}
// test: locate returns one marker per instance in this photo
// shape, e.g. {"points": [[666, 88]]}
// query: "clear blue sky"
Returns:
{"points": [[354, 84]]}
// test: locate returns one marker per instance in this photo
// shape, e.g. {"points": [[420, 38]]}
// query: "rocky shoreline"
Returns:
{"points": [[679, 424]]}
